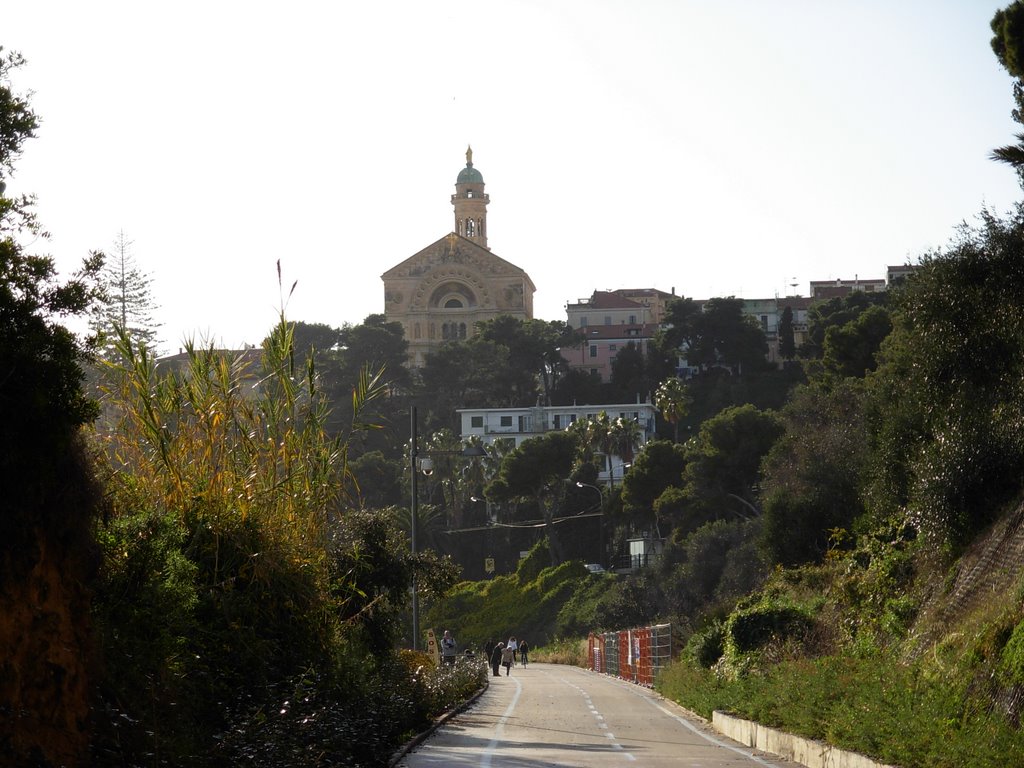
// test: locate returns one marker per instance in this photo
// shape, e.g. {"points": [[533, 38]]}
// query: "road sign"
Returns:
{"points": [[432, 648]]}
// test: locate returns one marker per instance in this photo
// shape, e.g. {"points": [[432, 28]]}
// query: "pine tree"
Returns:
{"points": [[127, 301]]}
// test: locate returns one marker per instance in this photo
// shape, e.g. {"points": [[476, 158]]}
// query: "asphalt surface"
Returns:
{"points": [[549, 715]]}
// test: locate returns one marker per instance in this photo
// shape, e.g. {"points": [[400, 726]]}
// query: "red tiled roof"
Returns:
{"points": [[612, 300]]}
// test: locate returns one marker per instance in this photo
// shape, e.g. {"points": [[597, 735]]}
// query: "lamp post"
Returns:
{"points": [[600, 505], [426, 465], [414, 513]]}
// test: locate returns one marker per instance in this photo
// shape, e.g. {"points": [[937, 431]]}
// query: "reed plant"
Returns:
{"points": [[226, 569]]}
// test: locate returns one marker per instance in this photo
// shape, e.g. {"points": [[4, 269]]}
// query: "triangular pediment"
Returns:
{"points": [[453, 250]]}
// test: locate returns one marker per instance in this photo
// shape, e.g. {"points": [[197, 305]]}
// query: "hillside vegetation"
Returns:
{"points": [[877, 600], [199, 577]]}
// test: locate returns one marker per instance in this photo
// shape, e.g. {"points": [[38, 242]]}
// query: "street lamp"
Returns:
{"points": [[414, 513], [426, 466], [600, 504]]}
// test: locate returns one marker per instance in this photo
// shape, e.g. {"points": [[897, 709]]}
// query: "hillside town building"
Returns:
{"points": [[609, 320], [519, 424]]}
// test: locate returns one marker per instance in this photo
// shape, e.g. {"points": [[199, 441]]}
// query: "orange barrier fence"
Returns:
{"points": [[631, 654]]}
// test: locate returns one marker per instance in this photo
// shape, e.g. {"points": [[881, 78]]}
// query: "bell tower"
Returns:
{"points": [[470, 203]]}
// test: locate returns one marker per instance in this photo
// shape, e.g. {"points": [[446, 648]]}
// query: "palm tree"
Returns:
{"points": [[673, 400], [598, 432], [609, 437], [623, 438]]}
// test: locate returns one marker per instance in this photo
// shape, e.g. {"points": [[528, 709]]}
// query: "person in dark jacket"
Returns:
{"points": [[496, 658], [524, 649]]}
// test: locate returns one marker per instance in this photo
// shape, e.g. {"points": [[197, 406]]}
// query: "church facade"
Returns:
{"points": [[441, 292]]}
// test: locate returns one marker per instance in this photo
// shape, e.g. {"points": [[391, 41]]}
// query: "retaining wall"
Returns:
{"points": [[813, 754]]}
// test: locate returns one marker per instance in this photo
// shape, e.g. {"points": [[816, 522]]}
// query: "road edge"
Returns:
{"points": [[418, 739]]}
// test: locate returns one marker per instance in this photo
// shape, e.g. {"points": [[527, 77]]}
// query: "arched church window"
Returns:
{"points": [[416, 331], [470, 228], [453, 304], [432, 331], [462, 330]]}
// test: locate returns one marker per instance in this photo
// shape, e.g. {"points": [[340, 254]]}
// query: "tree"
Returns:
{"points": [[579, 386], [713, 566], [717, 335], [787, 341], [722, 468], [533, 353], [630, 374], [126, 301], [837, 311], [946, 403], [339, 357], [447, 484], [464, 375], [594, 435], [50, 491], [314, 339], [814, 474], [851, 349], [608, 437], [378, 479], [673, 400], [538, 469], [624, 438], [19, 121], [656, 468], [379, 344], [679, 330], [1008, 46]]}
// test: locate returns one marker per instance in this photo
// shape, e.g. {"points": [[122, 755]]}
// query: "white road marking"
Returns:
{"points": [[603, 725], [706, 737], [499, 730]]}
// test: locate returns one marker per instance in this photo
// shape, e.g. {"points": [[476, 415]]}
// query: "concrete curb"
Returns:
{"points": [[813, 754], [416, 740]]}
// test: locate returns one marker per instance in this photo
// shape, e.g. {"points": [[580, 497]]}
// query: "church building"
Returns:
{"points": [[439, 293]]}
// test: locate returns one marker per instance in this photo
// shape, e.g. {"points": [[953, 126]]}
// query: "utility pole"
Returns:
{"points": [[413, 514]]}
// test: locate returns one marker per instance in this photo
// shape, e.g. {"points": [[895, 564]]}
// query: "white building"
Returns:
{"points": [[519, 424]]}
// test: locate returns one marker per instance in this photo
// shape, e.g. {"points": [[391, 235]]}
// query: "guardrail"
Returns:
{"points": [[636, 654]]}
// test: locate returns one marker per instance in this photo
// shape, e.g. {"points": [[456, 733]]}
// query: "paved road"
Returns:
{"points": [[551, 715]]}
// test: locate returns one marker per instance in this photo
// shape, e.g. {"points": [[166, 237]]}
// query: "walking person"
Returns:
{"points": [[507, 657], [513, 645], [496, 658], [524, 649]]}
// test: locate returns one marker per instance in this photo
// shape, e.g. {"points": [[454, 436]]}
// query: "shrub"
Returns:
{"points": [[706, 647], [570, 651]]}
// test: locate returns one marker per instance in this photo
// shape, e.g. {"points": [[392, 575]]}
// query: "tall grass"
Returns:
{"points": [[875, 705], [571, 651], [221, 579]]}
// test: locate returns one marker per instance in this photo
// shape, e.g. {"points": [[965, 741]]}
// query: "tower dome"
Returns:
{"points": [[469, 174]]}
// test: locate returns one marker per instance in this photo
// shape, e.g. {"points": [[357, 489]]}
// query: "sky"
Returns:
{"points": [[712, 148]]}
